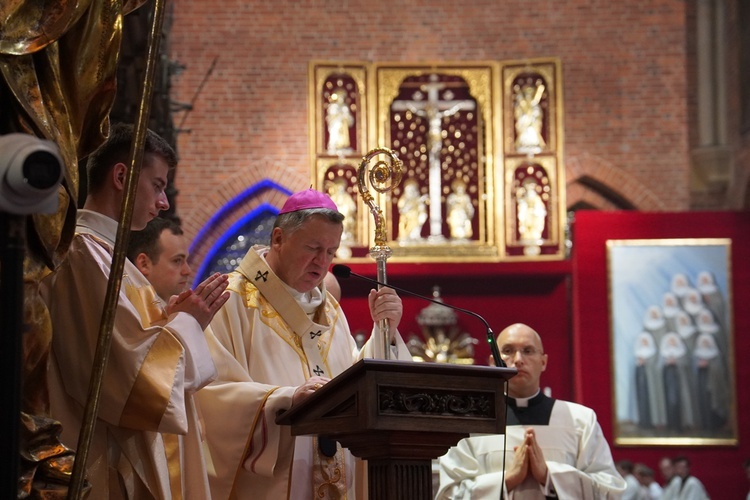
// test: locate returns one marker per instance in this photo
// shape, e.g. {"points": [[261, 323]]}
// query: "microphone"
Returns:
{"points": [[342, 271]]}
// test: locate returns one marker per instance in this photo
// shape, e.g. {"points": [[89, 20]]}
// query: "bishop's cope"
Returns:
{"points": [[281, 336]]}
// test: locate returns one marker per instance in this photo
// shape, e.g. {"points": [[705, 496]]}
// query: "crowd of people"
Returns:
{"points": [[196, 376], [677, 481]]}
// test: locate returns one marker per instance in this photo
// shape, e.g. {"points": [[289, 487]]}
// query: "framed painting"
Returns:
{"points": [[672, 341]]}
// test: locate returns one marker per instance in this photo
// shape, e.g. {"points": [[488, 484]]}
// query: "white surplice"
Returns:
{"points": [[272, 339], [146, 442], [578, 459], [690, 488]]}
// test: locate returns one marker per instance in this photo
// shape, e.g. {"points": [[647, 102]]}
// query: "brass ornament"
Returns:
{"points": [[383, 176]]}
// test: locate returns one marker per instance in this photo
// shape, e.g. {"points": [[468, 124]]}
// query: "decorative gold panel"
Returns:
{"points": [[534, 211], [467, 134]]}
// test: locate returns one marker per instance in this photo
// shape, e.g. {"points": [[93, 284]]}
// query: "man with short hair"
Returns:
{"points": [[671, 479], [288, 338], [160, 253], [146, 442], [554, 448], [645, 475], [633, 488], [684, 486]]}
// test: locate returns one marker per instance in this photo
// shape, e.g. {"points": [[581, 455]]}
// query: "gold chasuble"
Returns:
{"points": [[146, 442], [277, 338]]}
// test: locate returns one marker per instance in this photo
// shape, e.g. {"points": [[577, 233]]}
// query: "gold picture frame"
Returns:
{"points": [[670, 304]]}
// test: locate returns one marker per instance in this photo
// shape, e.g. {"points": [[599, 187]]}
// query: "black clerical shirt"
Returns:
{"points": [[537, 412]]}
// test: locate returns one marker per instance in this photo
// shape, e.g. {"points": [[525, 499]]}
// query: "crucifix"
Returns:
{"points": [[434, 109]]}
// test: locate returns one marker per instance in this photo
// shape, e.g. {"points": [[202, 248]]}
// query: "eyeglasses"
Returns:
{"points": [[526, 352]]}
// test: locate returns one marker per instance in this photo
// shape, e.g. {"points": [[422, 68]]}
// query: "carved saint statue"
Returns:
{"points": [[532, 213], [460, 212], [412, 213], [339, 119], [347, 206], [529, 114]]}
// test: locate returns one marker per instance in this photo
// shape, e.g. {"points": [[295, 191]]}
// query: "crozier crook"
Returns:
{"points": [[383, 176]]}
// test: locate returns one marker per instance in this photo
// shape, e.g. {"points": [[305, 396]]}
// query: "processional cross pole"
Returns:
{"points": [[104, 340], [383, 176], [434, 109]]}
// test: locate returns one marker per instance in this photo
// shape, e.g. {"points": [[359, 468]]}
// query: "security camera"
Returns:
{"points": [[30, 172]]}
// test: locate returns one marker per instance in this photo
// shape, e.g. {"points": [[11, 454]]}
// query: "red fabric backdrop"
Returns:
{"points": [[536, 294], [567, 302], [720, 468]]}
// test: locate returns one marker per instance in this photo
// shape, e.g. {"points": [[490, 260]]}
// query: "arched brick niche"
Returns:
{"points": [[597, 184], [243, 221], [234, 204]]}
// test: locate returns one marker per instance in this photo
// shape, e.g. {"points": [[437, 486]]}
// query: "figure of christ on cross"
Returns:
{"points": [[434, 109]]}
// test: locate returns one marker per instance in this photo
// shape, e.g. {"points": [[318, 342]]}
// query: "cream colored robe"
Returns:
{"points": [[146, 442], [578, 459], [270, 346]]}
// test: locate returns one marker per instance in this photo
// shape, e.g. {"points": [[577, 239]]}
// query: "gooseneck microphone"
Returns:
{"points": [[342, 271]]}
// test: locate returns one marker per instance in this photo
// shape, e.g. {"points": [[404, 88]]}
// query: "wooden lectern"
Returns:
{"points": [[400, 415]]}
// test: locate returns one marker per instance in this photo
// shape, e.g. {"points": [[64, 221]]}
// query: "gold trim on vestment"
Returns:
{"points": [[174, 464], [248, 451], [152, 388], [148, 305], [287, 319]]}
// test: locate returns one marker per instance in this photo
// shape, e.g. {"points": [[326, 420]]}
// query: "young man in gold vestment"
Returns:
{"points": [[146, 442]]}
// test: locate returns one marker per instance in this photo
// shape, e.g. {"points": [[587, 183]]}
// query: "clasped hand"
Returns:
{"points": [[204, 301], [528, 460]]}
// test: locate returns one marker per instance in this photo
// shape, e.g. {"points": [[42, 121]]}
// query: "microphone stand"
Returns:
{"points": [[342, 271]]}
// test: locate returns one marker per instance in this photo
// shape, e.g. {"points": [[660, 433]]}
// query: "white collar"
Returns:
{"points": [[524, 402], [97, 224]]}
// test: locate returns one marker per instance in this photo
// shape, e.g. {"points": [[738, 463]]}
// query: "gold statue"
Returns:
{"points": [[412, 213], [460, 212], [528, 113], [531, 216], [442, 341], [339, 193], [58, 61], [339, 119]]}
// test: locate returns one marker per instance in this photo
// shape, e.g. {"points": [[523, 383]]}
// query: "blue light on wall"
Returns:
{"points": [[253, 228]]}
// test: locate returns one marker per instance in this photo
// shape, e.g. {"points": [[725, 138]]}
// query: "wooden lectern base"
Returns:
{"points": [[400, 415]]}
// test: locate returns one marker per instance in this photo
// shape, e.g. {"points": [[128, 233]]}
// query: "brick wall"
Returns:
{"points": [[739, 194], [628, 85], [624, 77]]}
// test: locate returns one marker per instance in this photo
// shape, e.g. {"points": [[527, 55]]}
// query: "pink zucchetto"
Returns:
{"points": [[307, 199]]}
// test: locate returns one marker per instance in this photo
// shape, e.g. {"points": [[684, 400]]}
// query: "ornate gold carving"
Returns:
{"points": [[482, 106], [442, 341], [383, 176]]}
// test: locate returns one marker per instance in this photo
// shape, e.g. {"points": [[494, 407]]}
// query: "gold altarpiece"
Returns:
{"points": [[482, 149]]}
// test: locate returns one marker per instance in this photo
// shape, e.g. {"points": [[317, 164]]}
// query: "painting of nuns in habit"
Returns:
{"points": [[672, 341]]}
